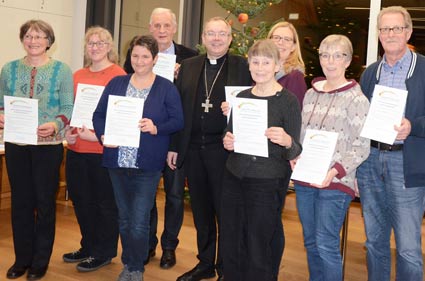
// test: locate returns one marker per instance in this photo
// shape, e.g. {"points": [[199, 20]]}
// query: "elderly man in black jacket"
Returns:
{"points": [[163, 26]]}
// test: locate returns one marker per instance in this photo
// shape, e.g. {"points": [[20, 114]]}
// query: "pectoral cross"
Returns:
{"points": [[207, 105]]}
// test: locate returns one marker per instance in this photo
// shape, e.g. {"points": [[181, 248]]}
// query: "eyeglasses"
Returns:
{"points": [[335, 56], [395, 29], [213, 34], [99, 44], [158, 26], [28, 37], [284, 39]]}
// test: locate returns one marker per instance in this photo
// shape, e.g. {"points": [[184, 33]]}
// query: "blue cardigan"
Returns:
{"points": [[414, 144], [162, 106]]}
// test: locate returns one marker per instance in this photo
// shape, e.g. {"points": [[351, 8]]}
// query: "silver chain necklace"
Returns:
{"points": [[207, 105]]}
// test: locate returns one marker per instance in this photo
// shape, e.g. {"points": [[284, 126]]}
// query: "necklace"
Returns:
{"points": [[207, 105]]}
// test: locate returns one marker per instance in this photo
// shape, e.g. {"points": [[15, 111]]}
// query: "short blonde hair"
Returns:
{"points": [[265, 48], [294, 60], [335, 40], [105, 36]]}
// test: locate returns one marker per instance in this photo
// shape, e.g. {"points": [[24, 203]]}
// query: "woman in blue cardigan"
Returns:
{"points": [[135, 171]]}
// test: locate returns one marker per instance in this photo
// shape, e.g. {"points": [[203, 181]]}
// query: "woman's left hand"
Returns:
{"points": [[147, 126], [278, 136], [46, 130], [327, 181]]}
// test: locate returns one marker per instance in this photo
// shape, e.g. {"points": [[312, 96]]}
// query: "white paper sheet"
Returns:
{"points": [[122, 121], [315, 159], [386, 110], [85, 104], [20, 120], [249, 126], [165, 66], [231, 92]]}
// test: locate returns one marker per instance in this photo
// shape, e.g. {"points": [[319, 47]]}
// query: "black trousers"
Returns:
{"points": [[174, 210], [251, 221], [34, 178], [204, 169], [91, 192]]}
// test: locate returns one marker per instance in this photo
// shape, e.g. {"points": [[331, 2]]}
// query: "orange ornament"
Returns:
{"points": [[243, 18]]}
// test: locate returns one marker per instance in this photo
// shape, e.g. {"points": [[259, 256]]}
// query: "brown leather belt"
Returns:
{"points": [[386, 147]]}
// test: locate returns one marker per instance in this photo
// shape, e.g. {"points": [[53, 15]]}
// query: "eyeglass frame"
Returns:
{"points": [[37, 38], [394, 29], [284, 39], [335, 56], [221, 34], [99, 44]]}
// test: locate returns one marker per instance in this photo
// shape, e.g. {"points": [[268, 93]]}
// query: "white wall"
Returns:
{"points": [[67, 17]]}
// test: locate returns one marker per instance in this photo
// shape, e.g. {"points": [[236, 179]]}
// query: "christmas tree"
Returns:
{"points": [[244, 11]]}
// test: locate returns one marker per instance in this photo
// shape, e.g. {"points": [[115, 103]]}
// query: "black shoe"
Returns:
{"points": [[76, 256], [151, 254], [92, 264], [36, 273], [16, 271], [220, 278], [197, 274], [168, 259]]}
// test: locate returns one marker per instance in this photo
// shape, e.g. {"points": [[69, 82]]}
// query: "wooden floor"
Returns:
{"points": [[293, 265]]}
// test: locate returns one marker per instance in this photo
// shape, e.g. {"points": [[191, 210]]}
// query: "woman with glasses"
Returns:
{"points": [[33, 169], [290, 76], [88, 183], [333, 104], [291, 71], [135, 171]]}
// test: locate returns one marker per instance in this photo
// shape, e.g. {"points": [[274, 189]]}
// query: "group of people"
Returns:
{"points": [[236, 198]]}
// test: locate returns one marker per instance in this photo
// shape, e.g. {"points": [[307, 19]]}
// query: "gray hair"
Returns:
{"points": [[160, 10], [335, 40], [396, 10]]}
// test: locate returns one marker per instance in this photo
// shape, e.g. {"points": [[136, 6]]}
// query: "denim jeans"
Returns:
{"points": [[387, 205], [134, 191], [322, 214]]}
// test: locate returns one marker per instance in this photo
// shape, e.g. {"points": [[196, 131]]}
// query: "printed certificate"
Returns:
{"points": [[249, 126], [386, 110], [122, 121], [165, 66], [231, 92], [87, 97], [315, 159], [20, 120]]}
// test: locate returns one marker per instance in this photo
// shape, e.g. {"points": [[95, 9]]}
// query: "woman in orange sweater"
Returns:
{"points": [[88, 182]]}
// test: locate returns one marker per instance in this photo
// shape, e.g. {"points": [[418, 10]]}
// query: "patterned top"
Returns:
{"points": [[344, 111], [127, 156], [51, 85]]}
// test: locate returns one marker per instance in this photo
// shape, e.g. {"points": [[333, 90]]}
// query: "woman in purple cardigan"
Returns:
{"points": [[291, 73]]}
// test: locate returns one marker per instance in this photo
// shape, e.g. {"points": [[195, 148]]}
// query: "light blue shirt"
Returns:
{"points": [[170, 50], [395, 76]]}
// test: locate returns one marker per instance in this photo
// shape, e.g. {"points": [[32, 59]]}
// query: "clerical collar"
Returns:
{"points": [[218, 61]]}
